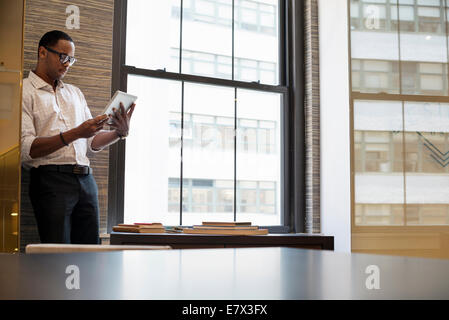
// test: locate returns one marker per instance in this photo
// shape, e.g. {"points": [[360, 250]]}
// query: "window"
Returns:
{"points": [[207, 133], [410, 16], [400, 105]]}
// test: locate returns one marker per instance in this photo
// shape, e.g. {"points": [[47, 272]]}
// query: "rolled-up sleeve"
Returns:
{"points": [[28, 129], [88, 116]]}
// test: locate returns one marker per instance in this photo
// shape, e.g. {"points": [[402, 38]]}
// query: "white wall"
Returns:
{"points": [[335, 143]]}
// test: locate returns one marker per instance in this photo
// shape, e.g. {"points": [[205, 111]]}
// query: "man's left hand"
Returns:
{"points": [[121, 120]]}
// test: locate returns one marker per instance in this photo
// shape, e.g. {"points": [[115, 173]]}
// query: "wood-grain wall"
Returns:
{"points": [[312, 116], [91, 73]]}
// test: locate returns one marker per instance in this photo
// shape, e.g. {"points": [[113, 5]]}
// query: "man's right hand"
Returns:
{"points": [[90, 127]]}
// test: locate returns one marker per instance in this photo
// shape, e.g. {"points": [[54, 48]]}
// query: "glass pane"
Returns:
{"points": [[225, 198], [427, 171], [374, 16], [146, 46], [206, 37], [429, 2], [407, 13], [258, 157], [209, 159], [374, 49], [256, 41], [424, 40], [378, 163], [153, 150], [379, 214]]}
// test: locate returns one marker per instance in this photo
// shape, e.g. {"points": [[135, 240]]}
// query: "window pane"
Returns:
{"points": [[378, 163], [379, 214], [429, 12], [207, 32], [407, 13], [152, 166], [258, 157], [382, 66], [375, 49], [431, 68], [256, 41], [431, 83], [146, 46], [225, 198], [429, 2], [209, 159], [427, 173], [425, 41]]}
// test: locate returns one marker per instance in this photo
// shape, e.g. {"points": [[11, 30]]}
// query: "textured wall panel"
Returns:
{"points": [[312, 116]]}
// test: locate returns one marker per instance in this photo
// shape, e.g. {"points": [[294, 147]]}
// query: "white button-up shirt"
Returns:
{"points": [[46, 113]]}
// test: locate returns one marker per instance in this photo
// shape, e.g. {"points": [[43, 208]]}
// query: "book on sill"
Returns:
{"points": [[219, 227], [139, 228], [173, 229], [144, 224], [226, 231], [224, 224]]}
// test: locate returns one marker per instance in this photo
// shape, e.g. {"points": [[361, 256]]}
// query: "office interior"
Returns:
{"points": [[307, 117]]}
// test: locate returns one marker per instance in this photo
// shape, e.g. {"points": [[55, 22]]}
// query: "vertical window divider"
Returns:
{"points": [[445, 18], [235, 113], [403, 115], [235, 154], [180, 35], [181, 180]]}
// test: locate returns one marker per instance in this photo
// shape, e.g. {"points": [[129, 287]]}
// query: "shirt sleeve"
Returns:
{"points": [[87, 116], [28, 129]]}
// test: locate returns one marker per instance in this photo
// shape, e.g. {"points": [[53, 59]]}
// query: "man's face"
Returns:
{"points": [[55, 69]]}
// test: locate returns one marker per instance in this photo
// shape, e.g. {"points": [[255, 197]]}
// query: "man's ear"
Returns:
{"points": [[42, 52]]}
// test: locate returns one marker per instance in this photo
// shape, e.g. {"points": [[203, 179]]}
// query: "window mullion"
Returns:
{"points": [[235, 154], [181, 178]]}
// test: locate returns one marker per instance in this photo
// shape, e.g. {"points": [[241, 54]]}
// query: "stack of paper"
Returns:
{"points": [[226, 228]]}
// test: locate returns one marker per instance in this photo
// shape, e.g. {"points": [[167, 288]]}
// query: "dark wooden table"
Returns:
{"points": [[196, 241], [225, 274]]}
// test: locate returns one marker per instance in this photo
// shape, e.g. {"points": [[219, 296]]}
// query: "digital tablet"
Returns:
{"points": [[119, 96]]}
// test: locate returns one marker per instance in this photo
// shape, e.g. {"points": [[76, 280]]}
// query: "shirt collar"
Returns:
{"points": [[39, 83]]}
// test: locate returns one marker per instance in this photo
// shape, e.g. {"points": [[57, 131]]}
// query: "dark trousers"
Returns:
{"points": [[65, 206]]}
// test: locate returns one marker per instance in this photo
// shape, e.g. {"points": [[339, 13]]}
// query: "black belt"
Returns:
{"points": [[67, 168]]}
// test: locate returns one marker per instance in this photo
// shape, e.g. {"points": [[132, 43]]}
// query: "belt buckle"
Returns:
{"points": [[80, 170]]}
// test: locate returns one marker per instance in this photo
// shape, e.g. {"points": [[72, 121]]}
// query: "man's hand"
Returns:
{"points": [[121, 120], [90, 127]]}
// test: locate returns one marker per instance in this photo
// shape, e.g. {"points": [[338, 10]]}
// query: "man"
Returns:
{"points": [[57, 131]]}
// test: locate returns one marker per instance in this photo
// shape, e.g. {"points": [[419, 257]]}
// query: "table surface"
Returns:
{"points": [[225, 274]]}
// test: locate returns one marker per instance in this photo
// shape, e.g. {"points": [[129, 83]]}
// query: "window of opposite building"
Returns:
{"points": [[207, 134], [400, 103]]}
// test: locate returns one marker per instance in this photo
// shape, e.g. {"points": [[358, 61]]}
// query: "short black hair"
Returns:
{"points": [[51, 38]]}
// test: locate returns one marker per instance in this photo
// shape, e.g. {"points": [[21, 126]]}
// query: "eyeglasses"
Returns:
{"points": [[63, 57]]}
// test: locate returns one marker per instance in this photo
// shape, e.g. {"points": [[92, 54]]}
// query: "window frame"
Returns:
{"points": [[291, 86]]}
